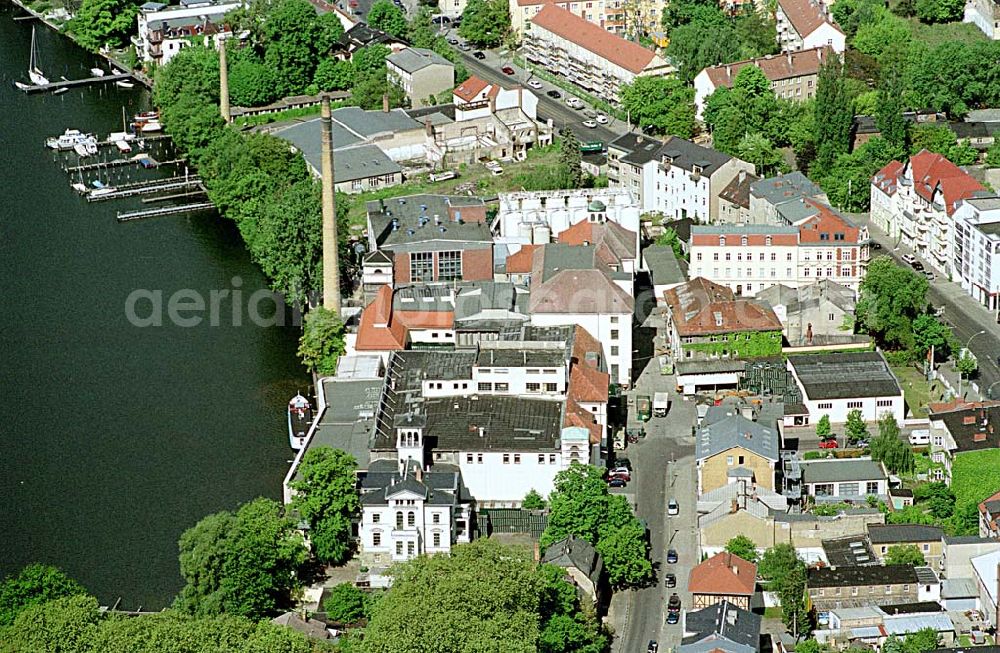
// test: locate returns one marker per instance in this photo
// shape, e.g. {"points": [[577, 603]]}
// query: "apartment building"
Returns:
{"points": [[163, 31], [583, 53], [781, 200], [976, 260], [750, 258], [421, 73], [830, 588], [676, 178], [915, 203], [794, 75], [805, 24]]}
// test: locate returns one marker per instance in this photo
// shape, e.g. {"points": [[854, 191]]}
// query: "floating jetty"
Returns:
{"points": [[145, 161], [130, 216], [142, 188], [73, 83]]}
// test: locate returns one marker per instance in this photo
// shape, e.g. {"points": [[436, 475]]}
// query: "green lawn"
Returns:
{"points": [[772, 613], [975, 475], [935, 35], [916, 391], [485, 183]]}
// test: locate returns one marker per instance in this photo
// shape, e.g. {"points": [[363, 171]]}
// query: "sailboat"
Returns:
{"points": [[36, 76]]}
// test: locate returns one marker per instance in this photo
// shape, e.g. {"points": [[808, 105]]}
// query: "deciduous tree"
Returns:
{"points": [[327, 498], [345, 603], [570, 158], [485, 22], [291, 34], [742, 546], [34, 585], [660, 105], [904, 554], [777, 564], [834, 116], [823, 427], [891, 298], [856, 428], [103, 22], [389, 18]]}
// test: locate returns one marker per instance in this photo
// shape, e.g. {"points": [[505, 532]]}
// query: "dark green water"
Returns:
{"points": [[114, 438]]}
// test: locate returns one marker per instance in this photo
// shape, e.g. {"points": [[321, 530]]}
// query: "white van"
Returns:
{"points": [[909, 259], [920, 437]]}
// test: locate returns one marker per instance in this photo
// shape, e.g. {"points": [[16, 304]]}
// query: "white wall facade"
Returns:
{"points": [[521, 213], [506, 476], [976, 251], [984, 14], [614, 332], [152, 20], [407, 527]]}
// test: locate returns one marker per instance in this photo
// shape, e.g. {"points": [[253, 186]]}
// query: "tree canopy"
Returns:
{"points": [[389, 18], [485, 22], [322, 341], [892, 297], [904, 554], [742, 546], [103, 22], [660, 105], [888, 448], [701, 35], [34, 585], [327, 498]]}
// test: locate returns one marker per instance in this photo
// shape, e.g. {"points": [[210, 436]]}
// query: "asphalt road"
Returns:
{"points": [[561, 115], [972, 324]]}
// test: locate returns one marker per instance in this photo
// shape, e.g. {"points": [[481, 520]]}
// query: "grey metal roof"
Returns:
{"points": [[440, 486], [490, 300], [663, 265], [713, 644], [959, 588], [853, 551], [845, 375], [307, 137], [413, 59], [784, 188], [361, 162], [368, 123], [968, 539], [417, 216], [736, 431], [523, 356], [348, 421], [710, 366], [686, 154], [896, 533], [640, 148], [926, 576], [841, 469], [726, 620]]}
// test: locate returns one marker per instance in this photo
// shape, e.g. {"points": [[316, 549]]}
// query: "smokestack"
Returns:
{"points": [[331, 263], [224, 83], [385, 103]]}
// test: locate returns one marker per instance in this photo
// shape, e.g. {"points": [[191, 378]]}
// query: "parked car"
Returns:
{"points": [[672, 507], [464, 47], [590, 113], [590, 124], [672, 556], [574, 103], [909, 258], [440, 20], [918, 266], [653, 646], [602, 119], [507, 70], [828, 444], [453, 40], [616, 482], [674, 603], [554, 94], [621, 472], [534, 83], [623, 463], [479, 54], [673, 617], [929, 275], [670, 580]]}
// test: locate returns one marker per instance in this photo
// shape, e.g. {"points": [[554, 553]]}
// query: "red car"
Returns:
{"points": [[507, 70], [828, 444]]}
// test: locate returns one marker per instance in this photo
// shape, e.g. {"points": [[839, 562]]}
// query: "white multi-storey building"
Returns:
{"points": [[677, 178], [805, 24], [163, 31], [750, 258], [976, 261], [915, 203]]}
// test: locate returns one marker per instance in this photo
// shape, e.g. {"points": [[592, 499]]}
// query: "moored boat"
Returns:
{"points": [[124, 84], [67, 140], [34, 73], [97, 72], [123, 146], [300, 417], [80, 149]]}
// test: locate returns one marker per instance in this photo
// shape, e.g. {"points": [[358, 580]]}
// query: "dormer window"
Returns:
{"points": [[743, 241], [722, 241], [767, 241]]}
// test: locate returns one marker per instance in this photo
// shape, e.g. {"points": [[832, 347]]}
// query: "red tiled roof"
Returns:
{"points": [[470, 88], [724, 573], [829, 222], [520, 261], [774, 67], [701, 307], [382, 329], [614, 242], [932, 171], [587, 35], [587, 384], [887, 178], [577, 415], [805, 15]]}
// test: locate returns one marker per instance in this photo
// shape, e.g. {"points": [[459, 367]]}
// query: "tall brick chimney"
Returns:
{"points": [[224, 83], [331, 262]]}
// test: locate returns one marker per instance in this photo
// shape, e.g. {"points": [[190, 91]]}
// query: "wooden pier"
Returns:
{"points": [[130, 216], [73, 83], [117, 163], [175, 196], [120, 192]]}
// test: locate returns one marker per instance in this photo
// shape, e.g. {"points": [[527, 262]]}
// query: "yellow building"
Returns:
{"points": [[731, 448]]}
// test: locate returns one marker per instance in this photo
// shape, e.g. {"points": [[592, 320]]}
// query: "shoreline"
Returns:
{"points": [[139, 76]]}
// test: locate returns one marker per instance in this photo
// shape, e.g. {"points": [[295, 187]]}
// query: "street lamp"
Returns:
{"points": [[967, 343]]}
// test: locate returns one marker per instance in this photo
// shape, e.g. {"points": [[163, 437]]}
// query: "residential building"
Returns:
{"points": [[777, 200], [596, 60], [927, 539], [706, 320], [406, 512], [430, 238], [806, 24], [959, 426], [729, 447], [835, 384], [984, 14], [666, 271], [843, 479], [830, 588], [915, 204], [987, 570], [594, 11], [734, 200], [793, 75], [584, 567], [976, 262], [540, 217], [723, 578], [477, 98], [361, 35], [163, 31], [989, 511], [752, 257], [572, 284], [815, 314], [957, 552], [960, 594], [676, 178], [722, 626], [871, 626], [422, 74]]}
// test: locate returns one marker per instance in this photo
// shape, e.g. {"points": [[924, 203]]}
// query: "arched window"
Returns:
{"points": [[411, 518], [399, 519]]}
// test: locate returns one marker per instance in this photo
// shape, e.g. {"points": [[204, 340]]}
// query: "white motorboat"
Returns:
{"points": [[124, 84], [34, 73], [78, 187], [151, 126], [91, 145], [123, 146], [300, 417], [60, 90], [81, 150], [67, 139], [21, 86], [97, 72]]}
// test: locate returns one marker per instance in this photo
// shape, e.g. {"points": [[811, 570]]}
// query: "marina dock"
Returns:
{"points": [[117, 163], [142, 188], [72, 83], [130, 216]]}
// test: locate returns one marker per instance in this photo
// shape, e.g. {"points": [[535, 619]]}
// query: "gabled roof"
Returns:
{"points": [[589, 36], [806, 16], [887, 179], [613, 242], [736, 431], [470, 88], [845, 375], [932, 172], [725, 620], [413, 59], [724, 573], [520, 261], [737, 191], [903, 533], [701, 307], [842, 470], [572, 280], [575, 552], [775, 67]]}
